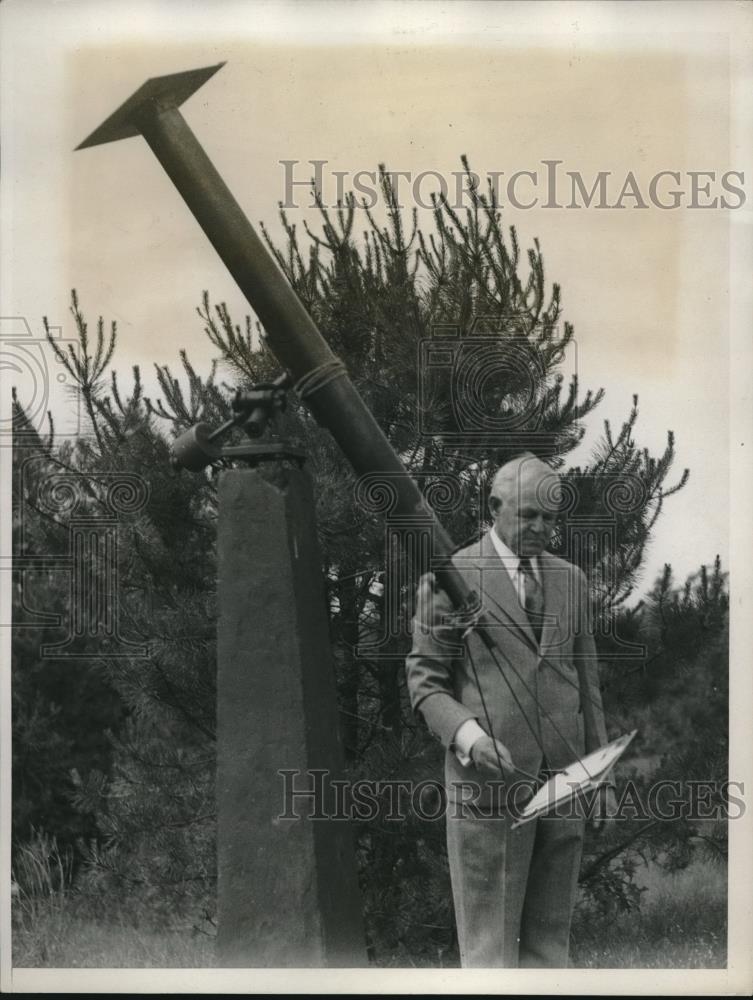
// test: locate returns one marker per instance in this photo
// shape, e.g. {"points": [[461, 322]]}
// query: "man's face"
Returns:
{"points": [[522, 521]]}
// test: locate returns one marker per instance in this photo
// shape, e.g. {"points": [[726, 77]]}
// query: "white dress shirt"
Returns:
{"points": [[470, 730]]}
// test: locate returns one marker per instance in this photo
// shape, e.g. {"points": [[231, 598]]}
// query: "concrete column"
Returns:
{"points": [[287, 888]]}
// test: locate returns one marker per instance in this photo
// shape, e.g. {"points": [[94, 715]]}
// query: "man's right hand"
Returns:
{"points": [[487, 754]]}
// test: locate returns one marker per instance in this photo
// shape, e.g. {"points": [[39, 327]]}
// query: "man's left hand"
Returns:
{"points": [[606, 808]]}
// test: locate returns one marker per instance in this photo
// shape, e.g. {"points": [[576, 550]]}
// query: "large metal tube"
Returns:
{"points": [[292, 334]]}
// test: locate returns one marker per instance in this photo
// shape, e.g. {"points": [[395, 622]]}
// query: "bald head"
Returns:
{"points": [[521, 504], [526, 468]]}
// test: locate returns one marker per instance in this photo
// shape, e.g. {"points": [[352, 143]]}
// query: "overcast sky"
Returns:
{"points": [[600, 87]]}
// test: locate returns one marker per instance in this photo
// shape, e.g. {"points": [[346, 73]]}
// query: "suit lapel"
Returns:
{"points": [[554, 598], [499, 596]]}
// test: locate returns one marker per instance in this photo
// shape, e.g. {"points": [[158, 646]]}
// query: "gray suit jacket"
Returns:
{"points": [[555, 684]]}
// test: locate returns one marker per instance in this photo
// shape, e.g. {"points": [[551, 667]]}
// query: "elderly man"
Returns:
{"points": [[536, 706]]}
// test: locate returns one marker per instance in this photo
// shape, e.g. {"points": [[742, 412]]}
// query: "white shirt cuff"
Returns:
{"points": [[467, 734]]}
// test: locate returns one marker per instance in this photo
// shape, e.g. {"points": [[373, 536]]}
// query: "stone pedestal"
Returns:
{"points": [[287, 888]]}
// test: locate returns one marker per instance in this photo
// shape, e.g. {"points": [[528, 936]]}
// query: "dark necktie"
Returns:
{"points": [[534, 599]]}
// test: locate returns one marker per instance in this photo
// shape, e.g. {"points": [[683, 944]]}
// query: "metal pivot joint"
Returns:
{"points": [[254, 410]]}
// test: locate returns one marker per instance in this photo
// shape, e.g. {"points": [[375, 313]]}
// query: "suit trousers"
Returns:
{"points": [[513, 890]]}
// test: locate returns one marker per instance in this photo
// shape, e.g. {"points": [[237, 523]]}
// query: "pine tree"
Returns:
{"points": [[61, 708], [677, 697], [133, 735]]}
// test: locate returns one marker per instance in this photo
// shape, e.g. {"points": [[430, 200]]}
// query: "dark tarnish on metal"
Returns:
{"points": [[172, 90], [292, 335]]}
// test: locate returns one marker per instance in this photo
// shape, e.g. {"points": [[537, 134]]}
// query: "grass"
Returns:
{"points": [[60, 941], [682, 924], [55, 927]]}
